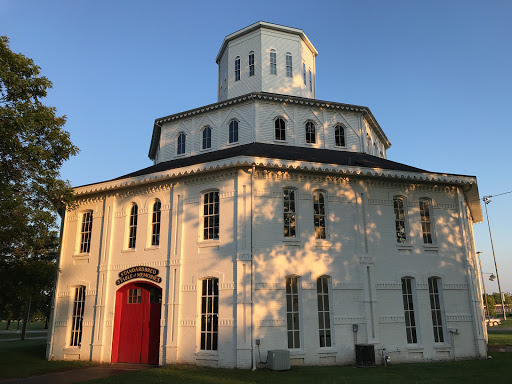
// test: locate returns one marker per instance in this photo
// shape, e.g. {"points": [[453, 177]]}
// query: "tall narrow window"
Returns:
{"points": [[304, 72], [339, 136], [310, 133], [319, 214], [211, 216], [233, 131], [289, 65], [251, 63], [135, 296], [155, 223], [410, 320], [132, 227], [209, 314], [426, 222], [435, 309], [181, 143], [289, 212], [207, 137], [399, 204], [85, 233], [78, 316], [324, 315], [273, 63], [292, 311], [310, 81], [280, 129], [237, 68]]}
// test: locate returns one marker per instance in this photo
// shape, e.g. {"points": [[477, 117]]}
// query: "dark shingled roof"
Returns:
{"points": [[283, 152]]}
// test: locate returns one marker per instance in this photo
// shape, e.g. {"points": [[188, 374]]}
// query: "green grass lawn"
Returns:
{"points": [[506, 323], [497, 337], [36, 325], [470, 371], [26, 358]]}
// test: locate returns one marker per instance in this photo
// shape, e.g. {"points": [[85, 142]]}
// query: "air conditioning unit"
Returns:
{"points": [[365, 355], [278, 360]]}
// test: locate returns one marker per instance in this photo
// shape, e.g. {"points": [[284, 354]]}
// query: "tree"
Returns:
{"points": [[33, 147], [491, 305]]}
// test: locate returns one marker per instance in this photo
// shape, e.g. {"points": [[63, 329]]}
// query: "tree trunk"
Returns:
{"points": [[18, 327], [46, 322], [8, 324], [24, 328]]}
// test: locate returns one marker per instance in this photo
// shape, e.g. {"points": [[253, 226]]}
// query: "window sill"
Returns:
{"points": [[71, 349], [323, 244], [152, 248], [413, 347], [430, 246], [178, 156], [128, 250], [208, 243], [81, 256], [297, 352], [207, 355], [277, 141], [291, 241], [442, 347], [327, 351], [404, 245]]}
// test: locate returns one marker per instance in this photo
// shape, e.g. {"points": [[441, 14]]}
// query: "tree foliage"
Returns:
{"points": [[33, 147]]}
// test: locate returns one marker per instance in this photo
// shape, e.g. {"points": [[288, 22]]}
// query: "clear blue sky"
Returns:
{"points": [[435, 74]]}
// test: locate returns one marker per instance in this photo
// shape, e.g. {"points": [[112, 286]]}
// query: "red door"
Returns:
{"points": [[137, 324]]}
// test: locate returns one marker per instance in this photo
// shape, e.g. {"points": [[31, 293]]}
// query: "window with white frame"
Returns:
{"points": [[400, 226], [310, 80], [289, 65], [273, 62], [292, 311], [304, 72], [289, 212], [211, 215], [310, 133], [324, 314], [181, 143], [251, 63], [233, 131], [280, 129], [209, 314], [408, 301], [155, 223], [207, 138], [132, 227], [426, 220], [435, 309], [85, 232], [339, 135], [77, 316], [319, 214], [237, 68]]}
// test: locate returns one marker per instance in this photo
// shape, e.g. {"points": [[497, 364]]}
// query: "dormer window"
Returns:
{"points": [[233, 131], [273, 62], [237, 68], [339, 135], [207, 137], [310, 133], [181, 143], [251, 63], [289, 68], [310, 80], [280, 129], [304, 72]]}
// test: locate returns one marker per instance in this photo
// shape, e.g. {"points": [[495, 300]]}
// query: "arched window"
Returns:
{"points": [[289, 212], [409, 304], [400, 225], [155, 224], [436, 308], [85, 232], [426, 220], [207, 137], [292, 311], [310, 80], [304, 72], [280, 129], [368, 143], [237, 68], [251, 63], [181, 143], [209, 314], [273, 62], [339, 135], [310, 133], [211, 219], [319, 214], [289, 65], [132, 227], [233, 131], [324, 313], [78, 316]]}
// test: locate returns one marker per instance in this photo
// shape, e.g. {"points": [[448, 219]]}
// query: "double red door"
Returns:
{"points": [[137, 324]]}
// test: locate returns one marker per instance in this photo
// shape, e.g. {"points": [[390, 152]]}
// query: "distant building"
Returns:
{"points": [[271, 216]]}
